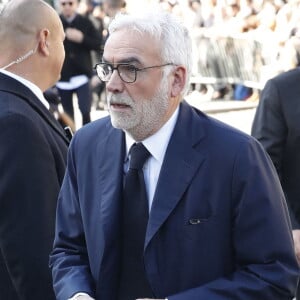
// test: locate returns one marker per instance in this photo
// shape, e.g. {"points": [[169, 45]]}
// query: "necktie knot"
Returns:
{"points": [[138, 156]]}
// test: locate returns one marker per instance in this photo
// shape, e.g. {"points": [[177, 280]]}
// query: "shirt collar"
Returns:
{"points": [[34, 88], [157, 143]]}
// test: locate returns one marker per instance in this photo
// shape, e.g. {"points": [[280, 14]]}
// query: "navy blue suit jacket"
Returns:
{"points": [[33, 154], [218, 227]]}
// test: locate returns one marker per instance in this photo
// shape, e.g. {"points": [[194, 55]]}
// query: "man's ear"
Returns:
{"points": [[178, 83], [44, 41]]}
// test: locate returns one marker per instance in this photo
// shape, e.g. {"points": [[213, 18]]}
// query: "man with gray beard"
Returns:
{"points": [[161, 201]]}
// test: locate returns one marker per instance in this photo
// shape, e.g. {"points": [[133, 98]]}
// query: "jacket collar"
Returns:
{"points": [[13, 86]]}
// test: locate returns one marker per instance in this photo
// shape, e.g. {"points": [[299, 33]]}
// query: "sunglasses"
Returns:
{"points": [[67, 3]]}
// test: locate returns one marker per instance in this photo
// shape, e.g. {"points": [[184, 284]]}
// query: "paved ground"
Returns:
{"points": [[218, 106]]}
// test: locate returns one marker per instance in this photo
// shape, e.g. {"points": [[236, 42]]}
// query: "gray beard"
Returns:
{"points": [[147, 115]]}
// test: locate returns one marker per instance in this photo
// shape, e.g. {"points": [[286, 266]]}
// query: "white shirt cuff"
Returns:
{"points": [[85, 295]]}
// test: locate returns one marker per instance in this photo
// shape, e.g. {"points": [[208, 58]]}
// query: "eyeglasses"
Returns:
{"points": [[127, 72], [66, 3]]}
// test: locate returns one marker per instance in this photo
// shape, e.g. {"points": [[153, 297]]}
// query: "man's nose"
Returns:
{"points": [[115, 83]]}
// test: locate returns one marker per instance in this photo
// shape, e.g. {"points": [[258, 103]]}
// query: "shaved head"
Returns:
{"points": [[21, 21], [32, 35]]}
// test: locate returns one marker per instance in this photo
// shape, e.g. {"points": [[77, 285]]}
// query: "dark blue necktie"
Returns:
{"points": [[133, 282], [135, 197]]}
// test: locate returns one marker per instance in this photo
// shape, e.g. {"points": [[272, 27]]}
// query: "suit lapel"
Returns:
{"points": [[111, 174], [181, 162], [12, 86], [111, 153]]}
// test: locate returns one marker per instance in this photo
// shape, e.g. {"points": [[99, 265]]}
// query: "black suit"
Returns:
{"points": [[277, 126], [33, 150]]}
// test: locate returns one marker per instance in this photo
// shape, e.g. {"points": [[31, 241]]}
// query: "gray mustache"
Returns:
{"points": [[118, 100]]}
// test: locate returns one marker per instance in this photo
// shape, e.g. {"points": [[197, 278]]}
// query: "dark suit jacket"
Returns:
{"points": [[33, 151], [78, 60], [277, 126], [218, 227]]}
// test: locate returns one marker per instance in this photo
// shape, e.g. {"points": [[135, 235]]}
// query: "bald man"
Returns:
{"points": [[33, 147]]}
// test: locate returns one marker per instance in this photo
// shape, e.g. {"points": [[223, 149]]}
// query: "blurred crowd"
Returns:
{"points": [[274, 24]]}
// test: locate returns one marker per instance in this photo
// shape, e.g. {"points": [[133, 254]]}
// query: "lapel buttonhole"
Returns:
{"points": [[194, 221]]}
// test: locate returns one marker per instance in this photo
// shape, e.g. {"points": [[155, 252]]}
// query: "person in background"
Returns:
{"points": [[97, 15], [33, 147], [161, 201], [81, 38], [277, 126]]}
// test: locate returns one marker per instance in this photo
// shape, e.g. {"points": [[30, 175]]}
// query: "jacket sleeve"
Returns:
{"points": [[92, 38], [270, 129], [69, 259], [269, 126]]}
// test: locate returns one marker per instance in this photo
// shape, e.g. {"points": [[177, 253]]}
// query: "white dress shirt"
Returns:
{"points": [[157, 145]]}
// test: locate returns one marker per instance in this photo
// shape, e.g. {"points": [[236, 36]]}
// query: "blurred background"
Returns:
{"points": [[237, 45]]}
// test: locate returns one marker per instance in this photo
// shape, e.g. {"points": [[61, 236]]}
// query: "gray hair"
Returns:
{"points": [[175, 41]]}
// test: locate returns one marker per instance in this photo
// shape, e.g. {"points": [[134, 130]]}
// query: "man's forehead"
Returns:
{"points": [[125, 43]]}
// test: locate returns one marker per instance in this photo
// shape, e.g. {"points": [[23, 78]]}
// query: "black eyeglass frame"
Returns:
{"points": [[116, 67]]}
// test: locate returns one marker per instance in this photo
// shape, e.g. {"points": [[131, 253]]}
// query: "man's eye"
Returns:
{"points": [[128, 69], [107, 68]]}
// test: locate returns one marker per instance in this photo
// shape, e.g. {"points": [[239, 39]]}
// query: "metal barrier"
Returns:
{"points": [[228, 60]]}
